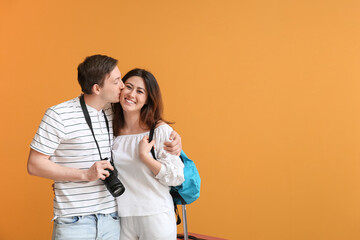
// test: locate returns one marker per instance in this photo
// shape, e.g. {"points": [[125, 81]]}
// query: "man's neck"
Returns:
{"points": [[94, 101]]}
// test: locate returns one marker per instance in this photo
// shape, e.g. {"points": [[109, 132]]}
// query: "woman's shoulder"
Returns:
{"points": [[160, 123], [163, 129]]}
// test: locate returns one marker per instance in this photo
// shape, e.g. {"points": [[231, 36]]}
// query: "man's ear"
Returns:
{"points": [[96, 89]]}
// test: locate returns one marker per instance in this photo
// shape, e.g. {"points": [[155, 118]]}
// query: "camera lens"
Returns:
{"points": [[113, 184], [118, 191]]}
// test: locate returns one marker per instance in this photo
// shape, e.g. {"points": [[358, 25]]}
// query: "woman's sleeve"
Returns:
{"points": [[172, 169]]}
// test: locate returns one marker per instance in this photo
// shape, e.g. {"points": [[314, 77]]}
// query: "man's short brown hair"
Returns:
{"points": [[93, 70]]}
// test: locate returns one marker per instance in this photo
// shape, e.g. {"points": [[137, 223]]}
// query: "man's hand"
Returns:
{"points": [[174, 147], [97, 171]]}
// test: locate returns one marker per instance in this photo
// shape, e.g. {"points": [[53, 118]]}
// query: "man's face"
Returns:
{"points": [[110, 92]]}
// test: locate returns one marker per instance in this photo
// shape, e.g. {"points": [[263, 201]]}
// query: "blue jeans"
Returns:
{"points": [[96, 226]]}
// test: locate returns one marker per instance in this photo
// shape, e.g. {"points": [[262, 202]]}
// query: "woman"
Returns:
{"points": [[146, 208]]}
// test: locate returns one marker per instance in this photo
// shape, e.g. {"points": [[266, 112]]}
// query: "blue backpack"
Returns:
{"points": [[189, 190]]}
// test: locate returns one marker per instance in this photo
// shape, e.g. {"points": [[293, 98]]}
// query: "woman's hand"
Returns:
{"points": [[145, 147]]}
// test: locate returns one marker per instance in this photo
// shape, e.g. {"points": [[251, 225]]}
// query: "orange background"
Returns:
{"points": [[264, 93]]}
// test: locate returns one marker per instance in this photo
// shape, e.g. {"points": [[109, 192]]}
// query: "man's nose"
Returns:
{"points": [[122, 85]]}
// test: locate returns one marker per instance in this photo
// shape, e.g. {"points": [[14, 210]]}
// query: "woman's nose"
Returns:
{"points": [[131, 93]]}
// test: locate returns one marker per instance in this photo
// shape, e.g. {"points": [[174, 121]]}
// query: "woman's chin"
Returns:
{"points": [[127, 109]]}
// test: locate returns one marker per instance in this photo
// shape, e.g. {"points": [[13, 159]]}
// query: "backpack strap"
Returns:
{"points": [[178, 219], [151, 136]]}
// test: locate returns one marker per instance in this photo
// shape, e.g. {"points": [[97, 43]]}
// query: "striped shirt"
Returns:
{"points": [[64, 135]]}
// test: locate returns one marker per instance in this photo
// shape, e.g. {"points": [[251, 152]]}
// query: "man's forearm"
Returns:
{"points": [[40, 165]]}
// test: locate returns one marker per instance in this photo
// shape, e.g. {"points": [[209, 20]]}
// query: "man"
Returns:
{"points": [[64, 150]]}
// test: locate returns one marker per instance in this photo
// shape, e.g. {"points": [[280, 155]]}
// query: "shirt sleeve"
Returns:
{"points": [[172, 169], [49, 134]]}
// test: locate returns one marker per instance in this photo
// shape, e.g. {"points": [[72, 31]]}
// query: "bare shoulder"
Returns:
{"points": [[160, 123], [163, 128]]}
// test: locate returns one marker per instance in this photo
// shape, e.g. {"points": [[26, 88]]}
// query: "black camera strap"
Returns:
{"points": [[88, 121]]}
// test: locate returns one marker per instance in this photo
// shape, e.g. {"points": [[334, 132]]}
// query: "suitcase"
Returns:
{"points": [[186, 235]]}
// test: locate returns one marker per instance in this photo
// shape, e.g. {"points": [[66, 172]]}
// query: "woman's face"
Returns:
{"points": [[134, 95]]}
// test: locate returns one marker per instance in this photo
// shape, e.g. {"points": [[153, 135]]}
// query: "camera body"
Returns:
{"points": [[112, 182]]}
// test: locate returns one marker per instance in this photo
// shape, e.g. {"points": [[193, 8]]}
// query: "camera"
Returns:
{"points": [[112, 182]]}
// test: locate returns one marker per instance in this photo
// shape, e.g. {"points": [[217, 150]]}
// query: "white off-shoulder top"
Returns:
{"points": [[146, 194]]}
